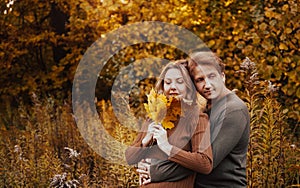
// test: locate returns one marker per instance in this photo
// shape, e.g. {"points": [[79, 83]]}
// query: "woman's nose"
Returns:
{"points": [[173, 86]]}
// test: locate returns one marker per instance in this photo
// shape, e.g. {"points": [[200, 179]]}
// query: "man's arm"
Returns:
{"points": [[231, 131], [168, 171]]}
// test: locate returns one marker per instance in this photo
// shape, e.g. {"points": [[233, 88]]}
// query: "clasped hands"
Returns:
{"points": [[144, 171], [158, 133]]}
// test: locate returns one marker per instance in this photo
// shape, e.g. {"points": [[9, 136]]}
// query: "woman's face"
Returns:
{"points": [[174, 84]]}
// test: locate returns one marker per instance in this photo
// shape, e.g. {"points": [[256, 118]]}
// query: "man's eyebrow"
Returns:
{"points": [[197, 76]]}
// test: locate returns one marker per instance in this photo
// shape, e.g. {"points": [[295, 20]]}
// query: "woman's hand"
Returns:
{"points": [[160, 134], [149, 136]]}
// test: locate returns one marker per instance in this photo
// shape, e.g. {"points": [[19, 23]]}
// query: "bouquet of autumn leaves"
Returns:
{"points": [[163, 110]]}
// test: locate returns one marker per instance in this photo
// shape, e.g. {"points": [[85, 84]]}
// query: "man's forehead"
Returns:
{"points": [[205, 69]]}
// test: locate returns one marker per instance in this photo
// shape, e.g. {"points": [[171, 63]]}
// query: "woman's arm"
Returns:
{"points": [[200, 159], [158, 169]]}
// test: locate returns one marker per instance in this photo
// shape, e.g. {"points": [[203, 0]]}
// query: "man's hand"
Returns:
{"points": [[144, 171]]}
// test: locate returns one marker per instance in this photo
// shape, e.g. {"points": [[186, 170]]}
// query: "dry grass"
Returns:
{"points": [[41, 146]]}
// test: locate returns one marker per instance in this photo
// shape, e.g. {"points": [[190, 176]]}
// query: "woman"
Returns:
{"points": [[186, 146]]}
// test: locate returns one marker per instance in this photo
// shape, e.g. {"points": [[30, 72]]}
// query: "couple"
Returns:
{"points": [[204, 149]]}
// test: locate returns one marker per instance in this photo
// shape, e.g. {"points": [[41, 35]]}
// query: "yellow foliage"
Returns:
{"points": [[282, 46], [265, 31], [157, 106], [162, 110], [173, 112]]}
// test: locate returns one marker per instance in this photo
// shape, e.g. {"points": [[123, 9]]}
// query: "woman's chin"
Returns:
{"points": [[176, 96]]}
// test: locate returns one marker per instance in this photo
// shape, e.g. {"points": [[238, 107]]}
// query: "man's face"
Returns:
{"points": [[209, 82]]}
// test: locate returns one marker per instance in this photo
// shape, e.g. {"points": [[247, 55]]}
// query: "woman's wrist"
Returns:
{"points": [[143, 144], [146, 141], [167, 149]]}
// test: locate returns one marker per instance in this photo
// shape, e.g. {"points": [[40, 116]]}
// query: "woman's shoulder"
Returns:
{"points": [[196, 110], [203, 115], [194, 115]]}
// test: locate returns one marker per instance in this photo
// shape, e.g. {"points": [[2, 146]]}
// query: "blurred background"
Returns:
{"points": [[42, 43]]}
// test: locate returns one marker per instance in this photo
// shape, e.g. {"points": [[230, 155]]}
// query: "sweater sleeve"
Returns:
{"points": [[230, 133], [161, 170], [200, 159], [135, 152], [166, 170]]}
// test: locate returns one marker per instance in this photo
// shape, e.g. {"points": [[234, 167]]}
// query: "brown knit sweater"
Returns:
{"points": [[191, 149]]}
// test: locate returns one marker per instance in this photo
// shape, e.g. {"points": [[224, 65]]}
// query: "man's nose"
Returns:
{"points": [[207, 83]]}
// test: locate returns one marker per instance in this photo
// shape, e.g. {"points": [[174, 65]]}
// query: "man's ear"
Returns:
{"points": [[223, 76]]}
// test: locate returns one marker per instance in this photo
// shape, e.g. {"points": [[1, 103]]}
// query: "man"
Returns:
{"points": [[229, 122], [229, 119]]}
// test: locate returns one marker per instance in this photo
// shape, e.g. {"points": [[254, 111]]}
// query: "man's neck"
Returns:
{"points": [[213, 101]]}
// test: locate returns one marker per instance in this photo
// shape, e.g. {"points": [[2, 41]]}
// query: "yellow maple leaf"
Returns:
{"points": [[168, 125], [162, 109], [156, 107]]}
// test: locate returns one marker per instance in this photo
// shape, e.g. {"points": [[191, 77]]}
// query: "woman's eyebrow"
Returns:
{"points": [[175, 78]]}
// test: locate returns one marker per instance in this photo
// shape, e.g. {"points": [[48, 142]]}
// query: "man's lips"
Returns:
{"points": [[208, 92]]}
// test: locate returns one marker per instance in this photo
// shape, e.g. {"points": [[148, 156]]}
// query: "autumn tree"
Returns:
{"points": [[43, 42]]}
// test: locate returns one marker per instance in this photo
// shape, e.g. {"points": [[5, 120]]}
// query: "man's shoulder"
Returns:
{"points": [[230, 103], [234, 102]]}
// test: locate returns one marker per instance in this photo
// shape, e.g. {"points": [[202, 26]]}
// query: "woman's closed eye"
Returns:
{"points": [[167, 82], [180, 81]]}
